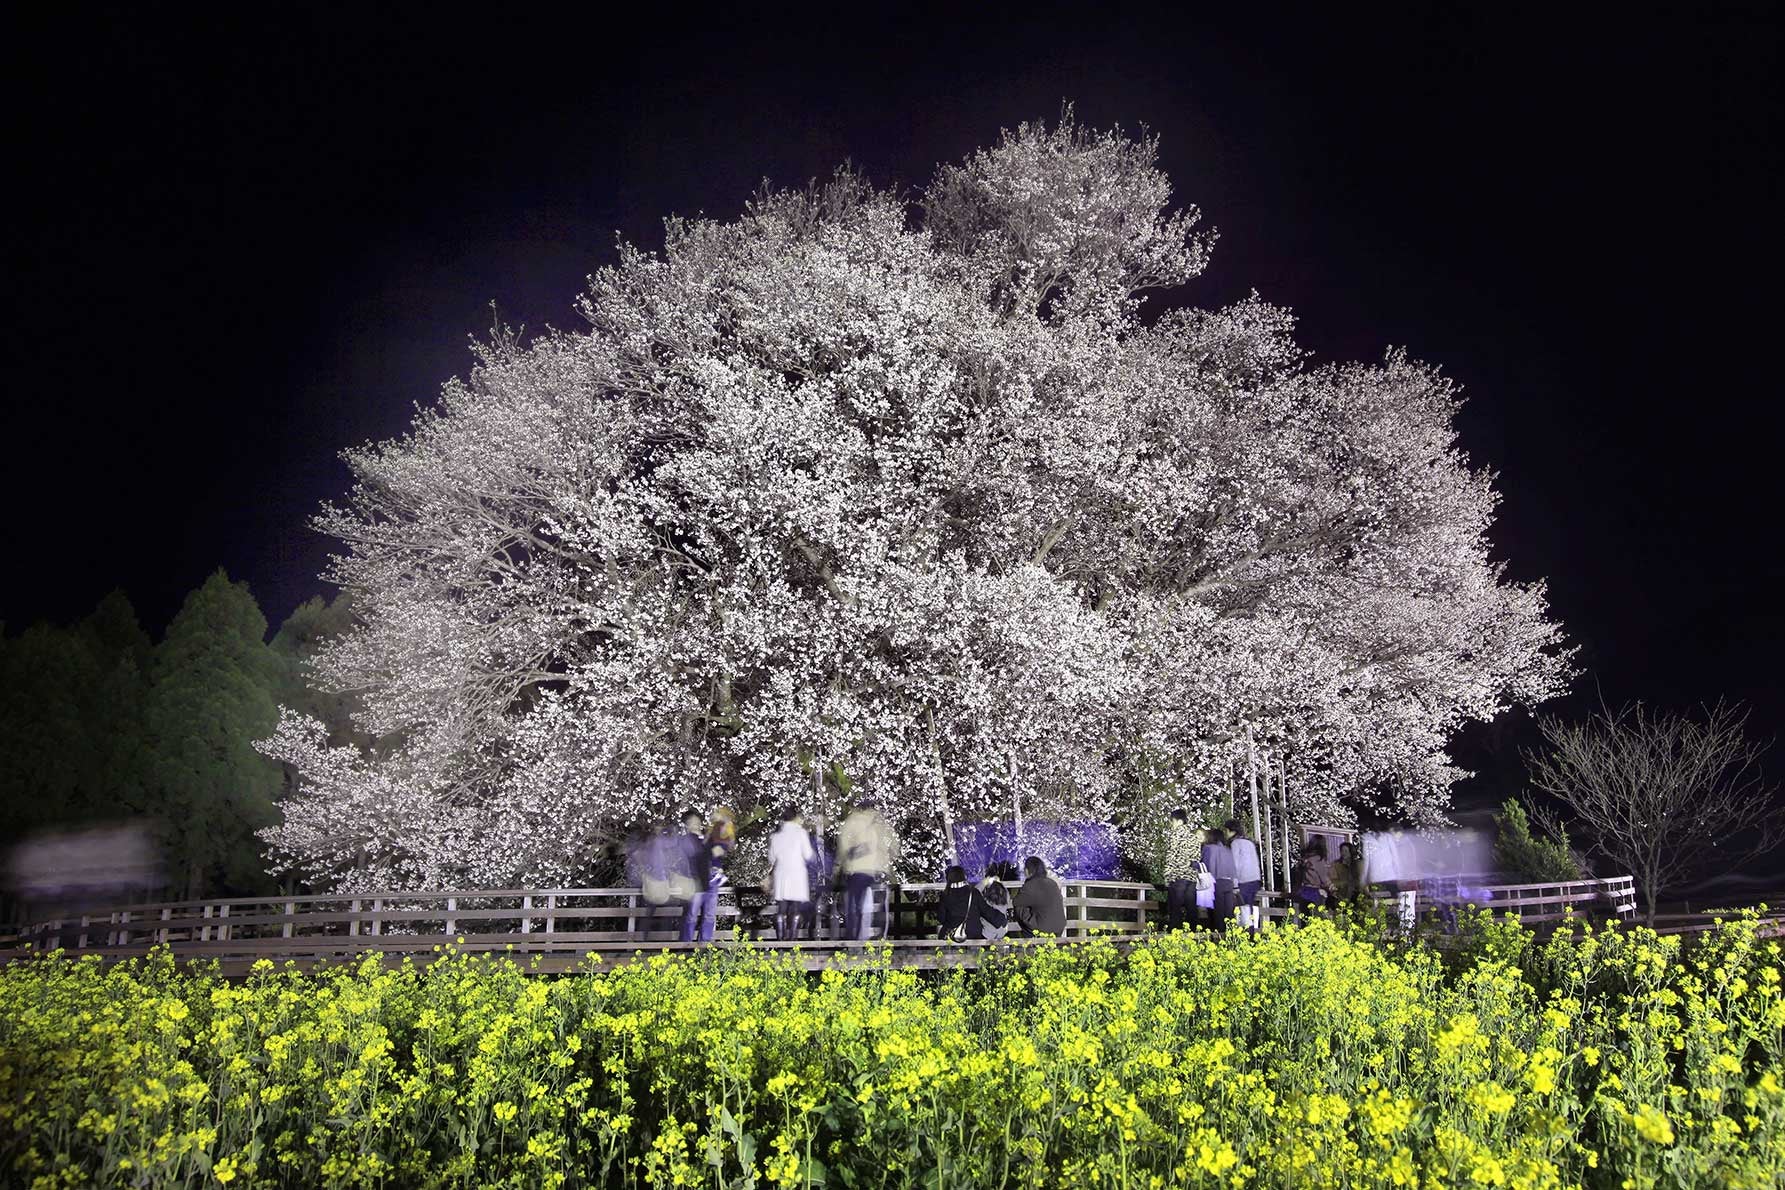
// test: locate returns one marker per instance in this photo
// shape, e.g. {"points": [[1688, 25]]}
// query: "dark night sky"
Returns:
{"points": [[238, 247]]}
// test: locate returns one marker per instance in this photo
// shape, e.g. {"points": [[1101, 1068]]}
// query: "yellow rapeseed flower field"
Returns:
{"points": [[1331, 1055]]}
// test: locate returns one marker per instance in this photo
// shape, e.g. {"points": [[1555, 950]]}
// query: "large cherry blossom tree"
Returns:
{"points": [[921, 496]]}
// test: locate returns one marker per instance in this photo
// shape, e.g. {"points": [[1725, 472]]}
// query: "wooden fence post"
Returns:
{"points": [[353, 926], [551, 913], [290, 911], [222, 931], [204, 932], [377, 922], [452, 904], [526, 922], [161, 934]]}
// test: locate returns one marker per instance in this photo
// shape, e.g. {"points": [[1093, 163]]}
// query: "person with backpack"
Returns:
{"points": [[790, 874]]}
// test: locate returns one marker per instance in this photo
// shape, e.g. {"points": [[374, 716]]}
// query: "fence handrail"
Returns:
{"points": [[1089, 904], [1595, 882]]}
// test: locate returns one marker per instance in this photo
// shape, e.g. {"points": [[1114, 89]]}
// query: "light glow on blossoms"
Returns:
{"points": [[916, 493]]}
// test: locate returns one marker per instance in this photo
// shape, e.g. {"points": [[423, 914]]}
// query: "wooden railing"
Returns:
{"points": [[1614, 896], [391, 920], [1092, 906], [569, 920]]}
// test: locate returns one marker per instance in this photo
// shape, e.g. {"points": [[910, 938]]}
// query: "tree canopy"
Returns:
{"points": [[925, 493]]}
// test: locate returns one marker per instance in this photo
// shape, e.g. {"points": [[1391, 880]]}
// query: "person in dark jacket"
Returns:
{"points": [[964, 907], [1040, 906], [708, 856]]}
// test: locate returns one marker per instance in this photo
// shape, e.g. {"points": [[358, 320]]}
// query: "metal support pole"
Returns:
{"points": [[1267, 834], [1283, 800], [1252, 779]]}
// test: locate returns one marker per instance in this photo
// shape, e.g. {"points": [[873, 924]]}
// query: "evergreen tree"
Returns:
{"points": [[297, 643], [1527, 856], [47, 772], [213, 691]]}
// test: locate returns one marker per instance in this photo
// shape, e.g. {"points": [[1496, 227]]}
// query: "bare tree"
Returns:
{"points": [[1661, 795]]}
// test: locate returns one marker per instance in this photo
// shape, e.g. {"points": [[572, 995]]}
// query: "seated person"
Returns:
{"points": [[964, 908], [997, 897], [1040, 906]]}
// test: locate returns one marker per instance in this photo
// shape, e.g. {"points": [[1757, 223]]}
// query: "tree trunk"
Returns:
{"points": [[942, 788]]}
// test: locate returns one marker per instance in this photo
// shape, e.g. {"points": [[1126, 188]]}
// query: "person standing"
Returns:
{"points": [[1248, 876], [1217, 861], [866, 847], [697, 865], [790, 874], [1346, 881], [1040, 905], [1183, 862], [713, 852], [819, 873]]}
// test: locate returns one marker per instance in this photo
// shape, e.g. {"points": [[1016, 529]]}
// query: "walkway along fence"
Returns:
{"points": [[569, 922]]}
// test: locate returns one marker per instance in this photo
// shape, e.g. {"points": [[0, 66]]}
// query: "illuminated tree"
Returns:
{"points": [[922, 497]]}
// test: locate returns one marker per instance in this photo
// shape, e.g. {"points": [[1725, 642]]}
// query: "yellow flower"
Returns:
{"points": [[1652, 1125]]}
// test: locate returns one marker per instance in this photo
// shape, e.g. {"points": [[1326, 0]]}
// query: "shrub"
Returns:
{"points": [[1308, 1057], [1527, 857]]}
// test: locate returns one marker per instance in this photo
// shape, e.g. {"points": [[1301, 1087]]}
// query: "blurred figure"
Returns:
{"points": [[997, 897], [819, 874], [665, 879], [964, 908], [1217, 861], [1183, 864], [1040, 905], [866, 847], [791, 857], [61, 875], [1248, 876], [1444, 866], [1347, 875]]}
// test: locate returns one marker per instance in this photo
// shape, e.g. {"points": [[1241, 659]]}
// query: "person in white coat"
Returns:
{"points": [[790, 857]]}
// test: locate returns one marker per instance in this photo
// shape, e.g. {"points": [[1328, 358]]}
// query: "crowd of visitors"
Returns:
{"points": [[1212, 877]]}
